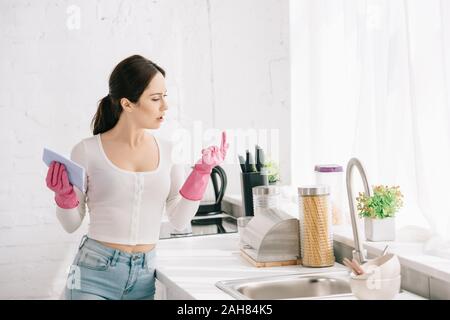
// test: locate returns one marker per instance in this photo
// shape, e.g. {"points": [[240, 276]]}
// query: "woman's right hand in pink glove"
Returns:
{"points": [[58, 181], [212, 156]]}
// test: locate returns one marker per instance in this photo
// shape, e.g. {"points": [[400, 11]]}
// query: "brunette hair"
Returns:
{"points": [[128, 80]]}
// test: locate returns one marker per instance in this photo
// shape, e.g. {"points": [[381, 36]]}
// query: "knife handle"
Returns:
{"points": [[242, 163], [258, 161], [251, 163]]}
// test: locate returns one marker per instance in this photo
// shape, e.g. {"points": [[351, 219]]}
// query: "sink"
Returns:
{"points": [[291, 286]]}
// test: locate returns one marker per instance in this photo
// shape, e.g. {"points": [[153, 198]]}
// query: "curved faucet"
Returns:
{"points": [[358, 253]]}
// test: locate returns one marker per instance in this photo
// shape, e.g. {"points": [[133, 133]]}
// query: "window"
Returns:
{"points": [[370, 79]]}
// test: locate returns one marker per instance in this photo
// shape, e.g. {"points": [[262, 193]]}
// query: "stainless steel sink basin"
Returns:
{"points": [[292, 286]]}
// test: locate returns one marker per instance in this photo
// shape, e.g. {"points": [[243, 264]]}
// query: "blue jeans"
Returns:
{"points": [[99, 272]]}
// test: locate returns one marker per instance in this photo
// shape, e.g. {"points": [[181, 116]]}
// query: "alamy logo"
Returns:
{"points": [[74, 278], [373, 281]]}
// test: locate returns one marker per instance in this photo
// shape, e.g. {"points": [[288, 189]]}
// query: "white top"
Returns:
{"points": [[126, 207]]}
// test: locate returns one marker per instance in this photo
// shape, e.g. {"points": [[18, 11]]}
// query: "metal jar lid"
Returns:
{"points": [[265, 190], [314, 190], [328, 168]]}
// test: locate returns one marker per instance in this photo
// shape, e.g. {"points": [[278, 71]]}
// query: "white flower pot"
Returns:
{"points": [[379, 229]]}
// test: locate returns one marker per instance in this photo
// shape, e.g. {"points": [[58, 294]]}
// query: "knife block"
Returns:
{"points": [[248, 181]]}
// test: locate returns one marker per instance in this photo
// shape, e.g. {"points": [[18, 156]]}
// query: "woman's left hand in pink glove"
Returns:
{"points": [[196, 183]]}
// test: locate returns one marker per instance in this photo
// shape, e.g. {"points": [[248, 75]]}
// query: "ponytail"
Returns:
{"points": [[106, 116]]}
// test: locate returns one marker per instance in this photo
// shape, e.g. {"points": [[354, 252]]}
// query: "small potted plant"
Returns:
{"points": [[379, 212], [273, 171]]}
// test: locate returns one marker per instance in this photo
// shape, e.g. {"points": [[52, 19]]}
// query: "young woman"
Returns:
{"points": [[131, 180]]}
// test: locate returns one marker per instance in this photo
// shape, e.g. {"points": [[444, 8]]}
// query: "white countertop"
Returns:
{"points": [[410, 251], [191, 266]]}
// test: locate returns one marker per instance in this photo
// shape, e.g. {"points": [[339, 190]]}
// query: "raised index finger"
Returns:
{"points": [[224, 141]]}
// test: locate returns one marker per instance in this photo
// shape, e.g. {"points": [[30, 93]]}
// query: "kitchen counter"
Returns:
{"points": [[188, 268], [422, 273]]}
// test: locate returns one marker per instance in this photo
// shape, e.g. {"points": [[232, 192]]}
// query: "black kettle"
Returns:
{"points": [[206, 212]]}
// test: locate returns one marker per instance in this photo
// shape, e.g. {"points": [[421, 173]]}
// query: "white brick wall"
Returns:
{"points": [[227, 64]]}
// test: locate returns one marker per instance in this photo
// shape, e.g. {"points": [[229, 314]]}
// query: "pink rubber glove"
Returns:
{"points": [[195, 186], [58, 181]]}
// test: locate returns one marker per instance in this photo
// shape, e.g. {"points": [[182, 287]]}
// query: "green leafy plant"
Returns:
{"points": [[273, 171], [384, 203]]}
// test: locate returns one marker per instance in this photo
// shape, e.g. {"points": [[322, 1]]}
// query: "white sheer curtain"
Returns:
{"points": [[370, 79]]}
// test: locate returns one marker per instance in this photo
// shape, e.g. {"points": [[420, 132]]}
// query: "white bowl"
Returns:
{"points": [[375, 289], [383, 267]]}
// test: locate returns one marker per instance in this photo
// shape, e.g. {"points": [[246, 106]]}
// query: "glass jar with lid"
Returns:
{"points": [[332, 176], [265, 197], [316, 234]]}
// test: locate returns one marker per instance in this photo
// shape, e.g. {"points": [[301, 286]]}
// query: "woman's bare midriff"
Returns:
{"points": [[129, 248]]}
